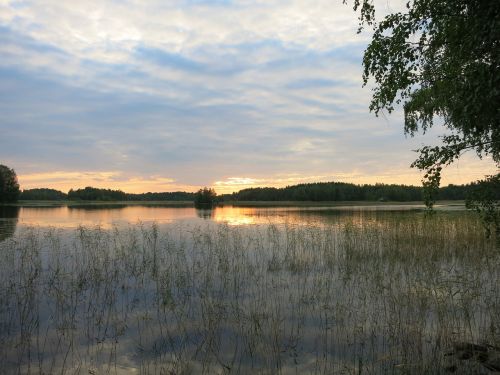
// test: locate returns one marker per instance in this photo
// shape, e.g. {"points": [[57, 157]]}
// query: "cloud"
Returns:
{"points": [[64, 181], [194, 91], [472, 169]]}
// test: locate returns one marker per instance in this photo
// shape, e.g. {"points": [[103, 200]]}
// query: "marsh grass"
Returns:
{"points": [[385, 295]]}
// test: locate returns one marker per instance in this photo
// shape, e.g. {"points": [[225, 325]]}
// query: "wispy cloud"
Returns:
{"points": [[193, 91], [65, 181]]}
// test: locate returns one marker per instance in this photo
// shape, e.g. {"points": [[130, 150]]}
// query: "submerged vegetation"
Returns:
{"points": [[377, 293]]}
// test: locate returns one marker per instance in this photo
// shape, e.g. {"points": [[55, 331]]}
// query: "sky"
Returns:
{"points": [[175, 95]]}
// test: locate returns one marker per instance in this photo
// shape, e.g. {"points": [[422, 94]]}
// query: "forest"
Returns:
{"points": [[340, 191], [96, 194], [315, 192]]}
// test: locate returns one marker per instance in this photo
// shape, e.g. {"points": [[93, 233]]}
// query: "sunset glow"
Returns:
{"points": [[169, 96], [111, 180], [459, 174]]}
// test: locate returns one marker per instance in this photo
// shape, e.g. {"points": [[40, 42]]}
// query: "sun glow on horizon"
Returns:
{"points": [[64, 181], [175, 96], [455, 174], [460, 173]]}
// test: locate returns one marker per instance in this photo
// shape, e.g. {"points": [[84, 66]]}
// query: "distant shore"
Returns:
{"points": [[454, 204], [457, 203], [63, 203]]}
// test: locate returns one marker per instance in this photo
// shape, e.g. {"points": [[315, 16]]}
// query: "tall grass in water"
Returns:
{"points": [[383, 296]]}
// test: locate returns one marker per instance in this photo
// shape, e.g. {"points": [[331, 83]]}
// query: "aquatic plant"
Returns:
{"points": [[370, 294]]}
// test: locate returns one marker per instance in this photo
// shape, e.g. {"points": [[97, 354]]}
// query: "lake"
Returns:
{"points": [[110, 215], [269, 290]]}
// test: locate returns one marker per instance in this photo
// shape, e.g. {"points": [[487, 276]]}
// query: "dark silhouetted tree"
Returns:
{"points": [[205, 198], [485, 199], [440, 60], [9, 187]]}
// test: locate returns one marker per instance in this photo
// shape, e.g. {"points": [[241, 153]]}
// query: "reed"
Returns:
{"points": [[386, 295]]}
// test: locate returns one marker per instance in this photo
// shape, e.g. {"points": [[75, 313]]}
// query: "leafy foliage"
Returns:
{"points": [[485, 200], [9, 187], [440, 60]]}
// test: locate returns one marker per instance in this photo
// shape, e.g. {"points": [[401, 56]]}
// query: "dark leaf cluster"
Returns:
{"points": [[9, 186], [439, 60], [485, 199]]}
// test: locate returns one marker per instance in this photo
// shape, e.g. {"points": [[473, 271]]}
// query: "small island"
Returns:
{"points": [[205, 198]]}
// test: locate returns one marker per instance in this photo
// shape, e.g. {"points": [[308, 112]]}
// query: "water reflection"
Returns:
{"points": [[105, 216], [98, 207], [8, 221], [205, 213], [288, 299], [108, 216], [316, 216], [245, 215]]}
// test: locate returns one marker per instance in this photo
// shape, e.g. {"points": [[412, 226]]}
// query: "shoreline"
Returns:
{"points": [[455, 204]]}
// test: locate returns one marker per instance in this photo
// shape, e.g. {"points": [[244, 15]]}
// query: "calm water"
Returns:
{"points": [[280, 290], [115, 215]]}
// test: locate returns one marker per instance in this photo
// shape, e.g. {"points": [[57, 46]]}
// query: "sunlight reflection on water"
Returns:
{"points": [[109, 216], [240, 289]]}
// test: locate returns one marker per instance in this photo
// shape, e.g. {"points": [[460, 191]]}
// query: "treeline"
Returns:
{"points": [[96, 194], [168, 196], [316, 192], [341, 191], [43, 194]]}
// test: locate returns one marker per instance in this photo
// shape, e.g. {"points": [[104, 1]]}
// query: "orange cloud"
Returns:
{"points": [[62, 180], [466, 170], [459, 173]]}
